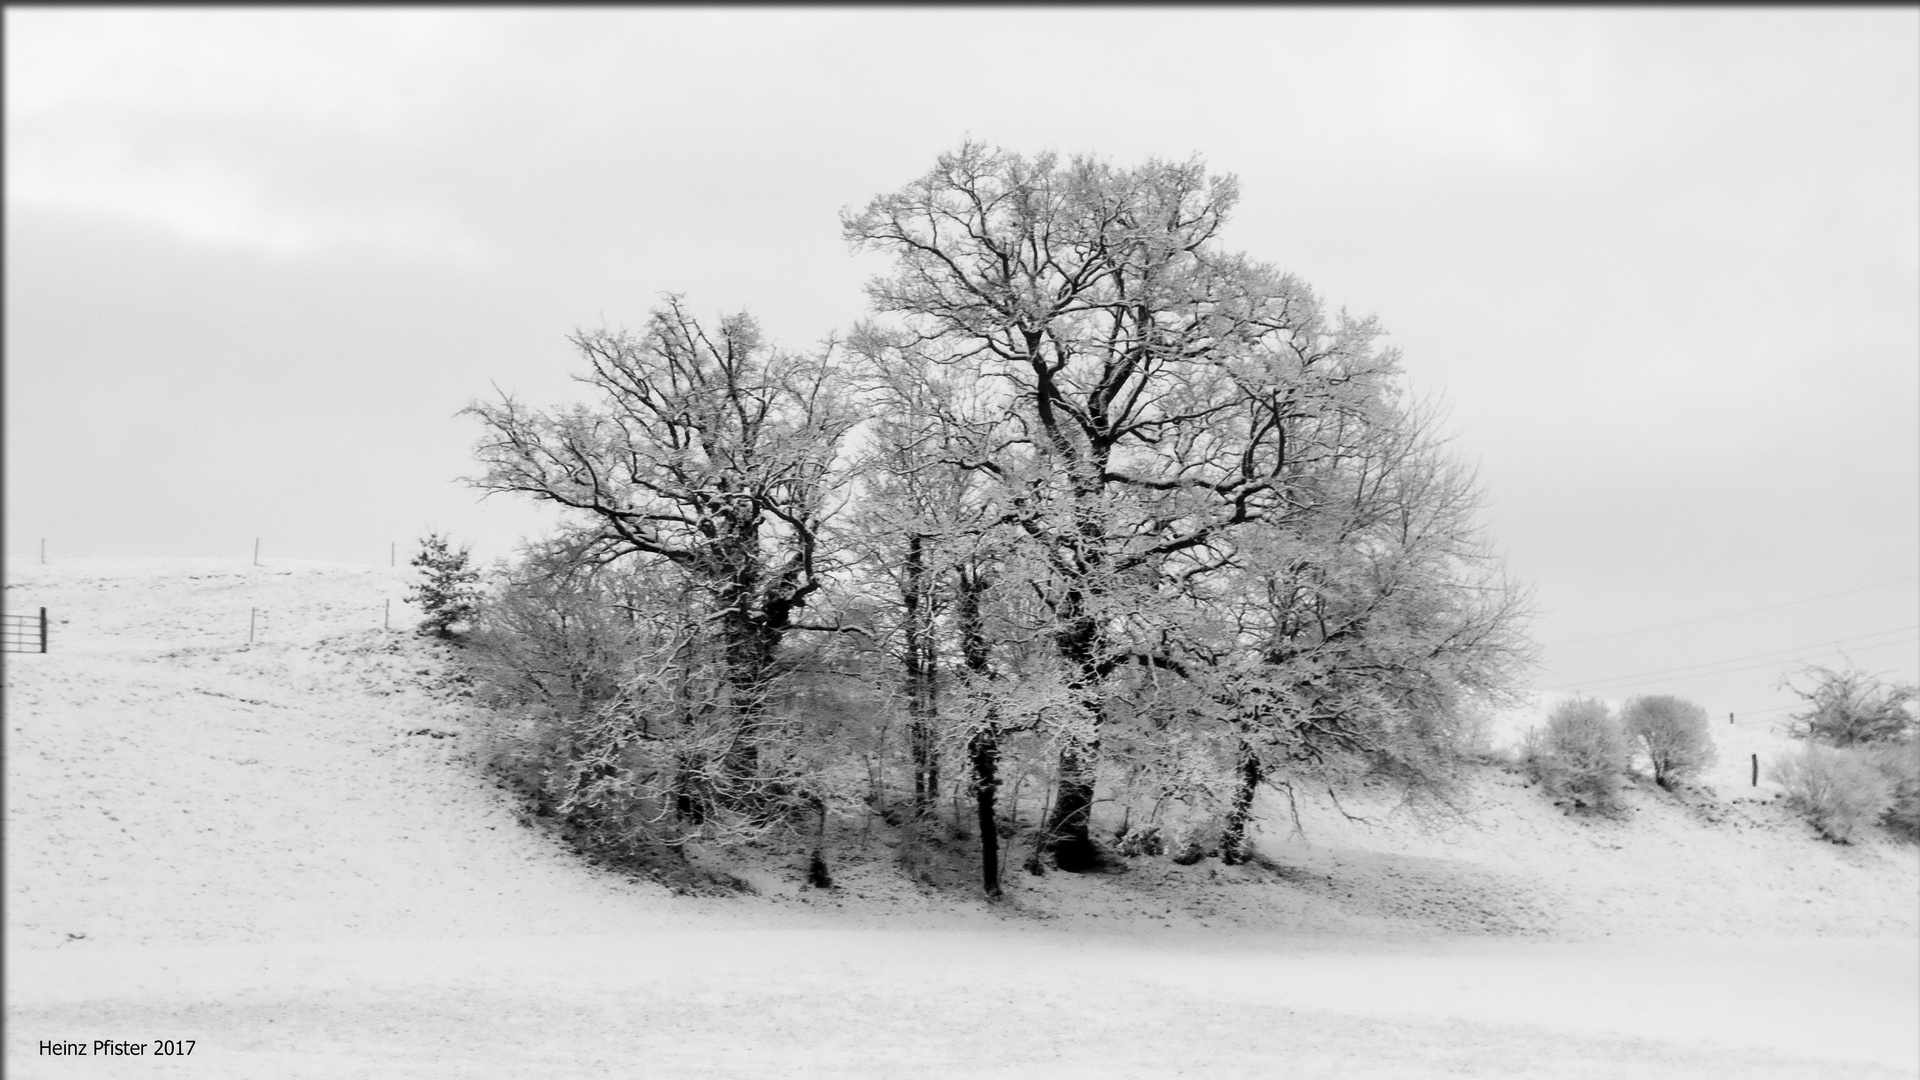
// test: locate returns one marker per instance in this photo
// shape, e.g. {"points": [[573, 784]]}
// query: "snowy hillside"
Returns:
{"points": [[286, 846]]}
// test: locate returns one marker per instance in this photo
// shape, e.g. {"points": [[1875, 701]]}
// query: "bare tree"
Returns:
{"points": [[1853, 707], [1121, 495], [1673, 733], [709, 454], [1372, 618], [906, 512], [1152, 386], [929, 529]]}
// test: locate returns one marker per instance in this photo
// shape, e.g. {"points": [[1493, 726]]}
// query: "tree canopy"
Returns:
{"points": [[1089, 496]]}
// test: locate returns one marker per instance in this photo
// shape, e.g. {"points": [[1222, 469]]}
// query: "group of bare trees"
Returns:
{"points": [[1089, 495], [1859, 762]]}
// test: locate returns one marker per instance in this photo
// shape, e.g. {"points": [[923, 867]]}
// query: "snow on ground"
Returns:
{"points": [[283, 850]]}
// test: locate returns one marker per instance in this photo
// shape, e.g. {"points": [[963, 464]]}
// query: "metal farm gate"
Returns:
{"points": [[24, 633]]}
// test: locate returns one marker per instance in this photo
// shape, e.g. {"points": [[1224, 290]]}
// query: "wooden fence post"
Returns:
{"points": [[1756, 771], [43, 629]]}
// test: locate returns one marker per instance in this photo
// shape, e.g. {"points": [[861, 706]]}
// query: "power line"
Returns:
{"points": [[1824, 647], [1731, 614], [1750, 667], [1795, 705], [1779, 656]]}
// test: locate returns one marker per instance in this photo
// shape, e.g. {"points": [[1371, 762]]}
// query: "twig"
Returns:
{"points": [[1343, 810]]}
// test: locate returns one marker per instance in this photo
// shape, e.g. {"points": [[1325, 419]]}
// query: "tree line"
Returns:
{"points": [[1089, 499]]}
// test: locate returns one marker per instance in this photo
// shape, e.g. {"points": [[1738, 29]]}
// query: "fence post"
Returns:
{"points": [[250, 612], [256, 552], [1756, 771], [43, 629], [386, 620]]}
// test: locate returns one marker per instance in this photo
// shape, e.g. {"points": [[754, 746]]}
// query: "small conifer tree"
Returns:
{"points": [[449, 592]]}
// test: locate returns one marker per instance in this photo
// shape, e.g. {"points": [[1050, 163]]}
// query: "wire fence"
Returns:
{"points": [[24, 633], [258, 552]]}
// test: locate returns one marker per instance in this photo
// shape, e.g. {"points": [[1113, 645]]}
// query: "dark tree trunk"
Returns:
{"points": [[1233, 843], [1069, 832], [740, 764], [921, 705], [817, 874], [984, 749], [1069, 826], [689, 803], [751, 640]]}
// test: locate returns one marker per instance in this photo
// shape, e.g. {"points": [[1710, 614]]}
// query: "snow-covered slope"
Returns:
{"points": [[192, 818], [168, 782]]}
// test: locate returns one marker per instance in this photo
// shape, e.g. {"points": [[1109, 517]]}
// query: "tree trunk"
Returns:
{"points": [[984, 749], [740, 765], [921, 706], [750, 646], [1069, 834], [689, 803], [1233, 843], [817, 874], [1069, 827]]}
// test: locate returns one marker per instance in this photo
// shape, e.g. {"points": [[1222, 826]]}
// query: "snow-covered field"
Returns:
{"points": [[284, 852]]}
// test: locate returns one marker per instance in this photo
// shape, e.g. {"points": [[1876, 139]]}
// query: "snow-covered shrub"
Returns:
{"points": [[1474, 740], [617, 719], [1899, 762], [1141, 840], [1672, 732], [1838, 789], [1579, 755], [449, 590], [1874, 727], [554, 655], [1191, 840]]}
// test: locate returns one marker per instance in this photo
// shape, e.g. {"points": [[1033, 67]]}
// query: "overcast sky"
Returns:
{"points": [[1663, 268]]}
